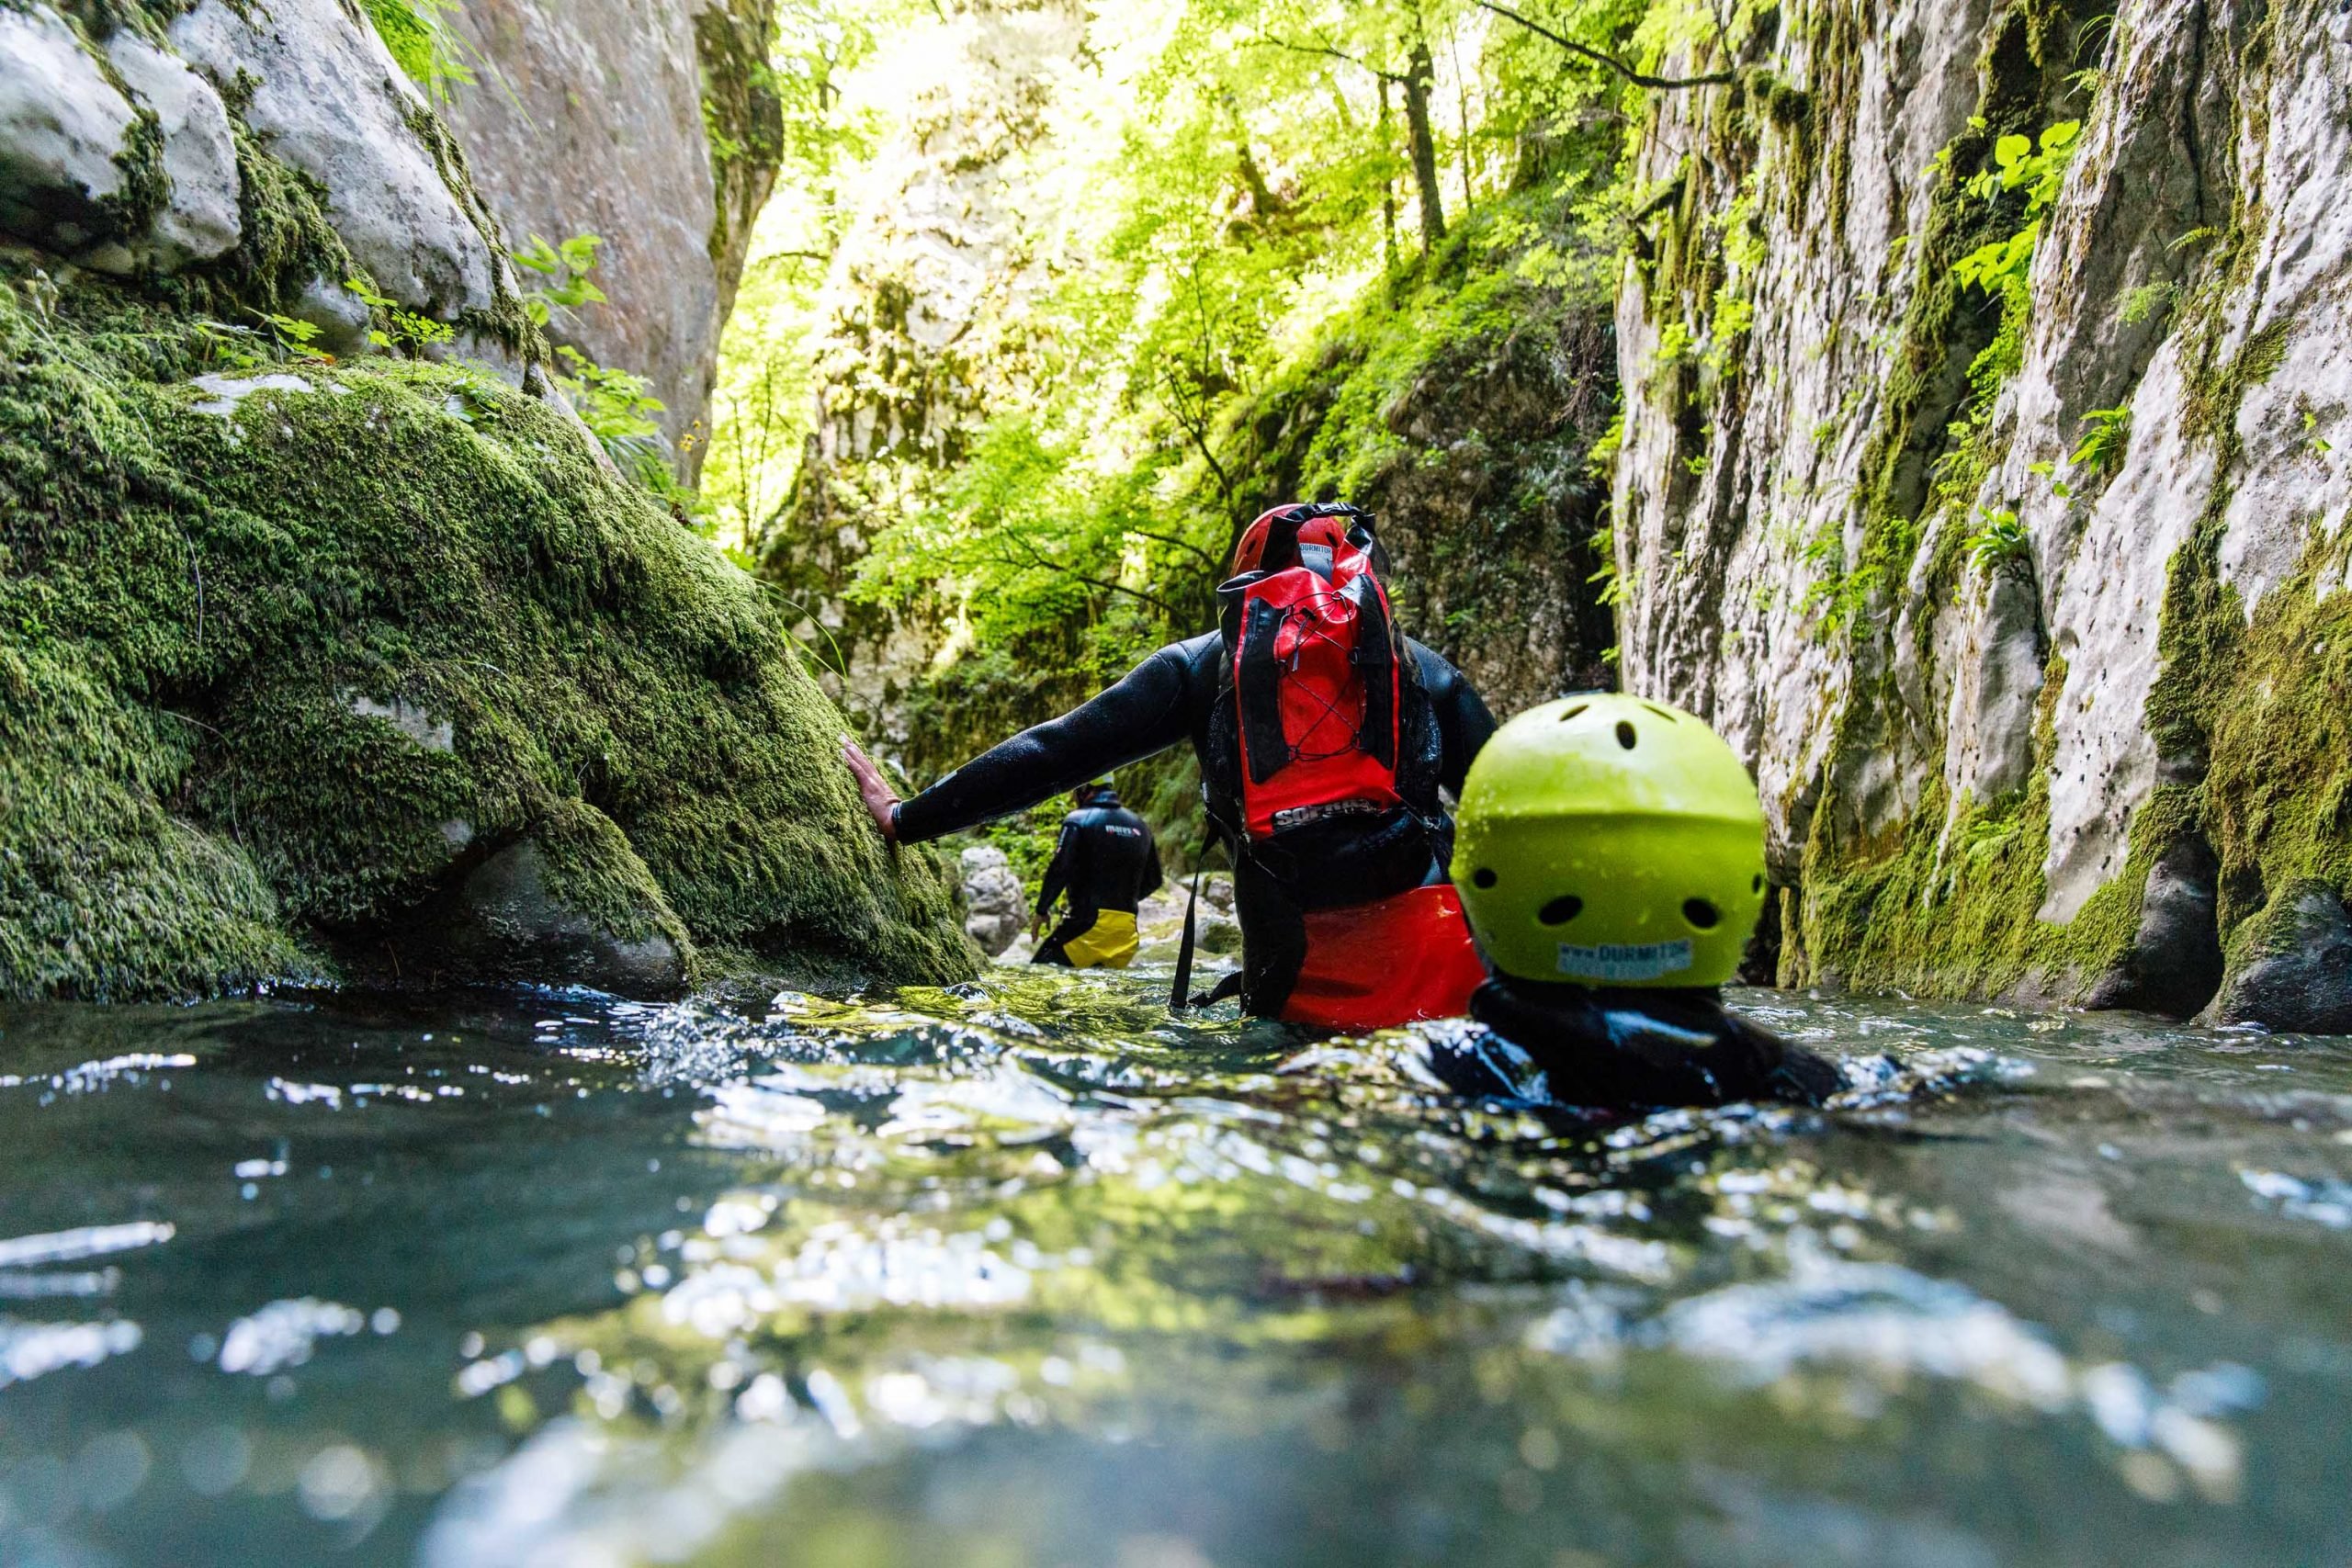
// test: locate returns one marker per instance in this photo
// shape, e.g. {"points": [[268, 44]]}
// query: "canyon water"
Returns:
{"points": [[1022, 1272]]}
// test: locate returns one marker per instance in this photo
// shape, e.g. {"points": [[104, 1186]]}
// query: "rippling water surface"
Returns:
{"points": [[1021, 1273]]}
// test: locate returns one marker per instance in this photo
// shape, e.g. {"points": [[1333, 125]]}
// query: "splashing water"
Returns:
{"points": [[1025, 1272]]}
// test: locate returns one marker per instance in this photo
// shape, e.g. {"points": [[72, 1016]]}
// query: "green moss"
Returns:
{"points": [[1954, 907], [2280, 729], [104, 893], [286, 241], [203, 604], [742, 121], [594, 870]]}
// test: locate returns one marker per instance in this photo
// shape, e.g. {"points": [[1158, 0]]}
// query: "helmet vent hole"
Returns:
{"points": [[1757, 885], [1574, 712], [1561, 910], [1624, 735], [1659, 711], [1483, 877], [1700, 913]]}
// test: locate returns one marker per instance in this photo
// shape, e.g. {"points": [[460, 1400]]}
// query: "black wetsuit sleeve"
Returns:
{"points": [[1144, 713], [1062, 872], [1462, 722]]}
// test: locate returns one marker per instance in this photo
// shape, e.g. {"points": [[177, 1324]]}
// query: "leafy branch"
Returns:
{"points": [[1610, 62]]}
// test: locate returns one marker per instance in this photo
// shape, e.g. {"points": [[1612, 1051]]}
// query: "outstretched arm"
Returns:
{"points": [[1143, 714]]}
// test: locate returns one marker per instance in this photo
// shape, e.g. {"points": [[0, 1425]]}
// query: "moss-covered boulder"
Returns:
{"points": [[291, 655]]}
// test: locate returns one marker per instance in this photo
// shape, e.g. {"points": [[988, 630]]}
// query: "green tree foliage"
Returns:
{"points": [[1232, 214]]}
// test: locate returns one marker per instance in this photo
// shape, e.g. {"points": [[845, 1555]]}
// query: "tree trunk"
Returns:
{"points": [[1264, 204], [1421, 74], [1387, 203]]}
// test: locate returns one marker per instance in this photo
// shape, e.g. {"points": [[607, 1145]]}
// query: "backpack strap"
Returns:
{"points": [[1257, 679], [1223, 990], [1177, 1001], [1282, 538], [1376, 655]]}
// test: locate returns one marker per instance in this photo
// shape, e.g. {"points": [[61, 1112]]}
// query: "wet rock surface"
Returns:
{"points": [[2299, 977], [508, 918], [1159, 921], [2175, 964]]}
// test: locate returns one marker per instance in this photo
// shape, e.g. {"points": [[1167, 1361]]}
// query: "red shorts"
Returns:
{"points": [[1373, 965]]}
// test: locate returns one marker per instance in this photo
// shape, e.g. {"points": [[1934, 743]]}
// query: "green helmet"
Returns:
{"points": [[1608, 841]]}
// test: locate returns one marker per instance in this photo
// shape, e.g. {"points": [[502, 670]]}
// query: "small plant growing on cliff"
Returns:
{"points": [[565, 268], [1604, 576], [424, 41], [2106, 436], [231, 347], [618, 406], [2147, 302], [1999, 543], [2038, 170], [250, 348], [405, 331], [618, 410]]}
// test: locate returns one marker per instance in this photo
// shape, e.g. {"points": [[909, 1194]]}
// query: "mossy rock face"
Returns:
{"points": [[286, 657]]}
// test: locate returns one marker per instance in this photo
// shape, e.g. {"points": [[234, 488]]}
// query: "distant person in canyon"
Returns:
{"points": [[1611, 863], [1105, 861], [1324, 736]]}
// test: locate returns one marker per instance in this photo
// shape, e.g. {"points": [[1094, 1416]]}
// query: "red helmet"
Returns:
{"points": [[1322, 526]]}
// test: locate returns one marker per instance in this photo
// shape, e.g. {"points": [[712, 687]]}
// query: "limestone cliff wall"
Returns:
{"points": [[646, 122], [2028, 716]]}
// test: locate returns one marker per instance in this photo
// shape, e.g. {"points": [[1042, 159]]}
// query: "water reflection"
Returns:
{"points": [[1025, 1272]]}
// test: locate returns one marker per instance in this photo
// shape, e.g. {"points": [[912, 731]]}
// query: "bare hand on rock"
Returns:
{"points": [[873, 788]]}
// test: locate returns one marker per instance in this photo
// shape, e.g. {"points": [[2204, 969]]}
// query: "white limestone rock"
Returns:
{"points": [[63, 125], [428, 729], [329, 100], [201, 220], [995, 909], [1727, 522]]}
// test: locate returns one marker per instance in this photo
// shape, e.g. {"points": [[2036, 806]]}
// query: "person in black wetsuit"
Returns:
{"points": [[1368, 892], [1107, 863], [1612, 861]]}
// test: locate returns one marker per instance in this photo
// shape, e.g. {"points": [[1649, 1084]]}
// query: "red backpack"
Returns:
{"points": [[1313, 725], [1313, 656]]}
